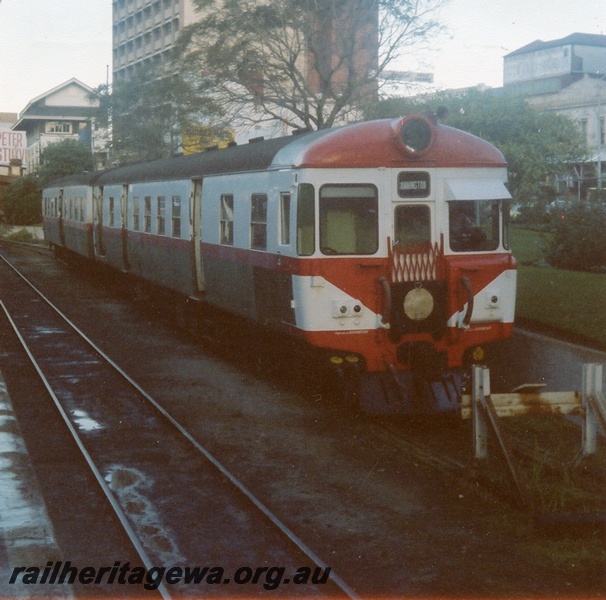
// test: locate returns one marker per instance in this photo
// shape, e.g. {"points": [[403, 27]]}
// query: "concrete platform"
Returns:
{"points": [[27, 536]]}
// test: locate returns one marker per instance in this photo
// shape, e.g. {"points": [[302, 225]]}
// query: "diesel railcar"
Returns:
{"points": [[381, 245]]}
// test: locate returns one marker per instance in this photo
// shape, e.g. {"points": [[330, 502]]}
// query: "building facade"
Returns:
{"points": [[58, 114], [145, 32], [568, 77]]}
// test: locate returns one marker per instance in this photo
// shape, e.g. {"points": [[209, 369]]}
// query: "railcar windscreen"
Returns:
{"points": [[412, 225], [474, 225], [349, 219]]}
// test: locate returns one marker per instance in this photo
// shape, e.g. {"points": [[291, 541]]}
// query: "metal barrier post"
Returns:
{"points": [[480, 384], [590, 425], [594, 404]]}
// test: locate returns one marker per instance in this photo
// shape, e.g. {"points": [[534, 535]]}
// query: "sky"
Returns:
{"points": [[44, 43]]}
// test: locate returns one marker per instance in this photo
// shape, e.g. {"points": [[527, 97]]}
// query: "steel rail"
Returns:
{"points": [[98, 476], [336, 579]]}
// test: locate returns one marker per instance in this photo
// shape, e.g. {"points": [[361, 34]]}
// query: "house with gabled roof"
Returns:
{"points": [[61, 113]]}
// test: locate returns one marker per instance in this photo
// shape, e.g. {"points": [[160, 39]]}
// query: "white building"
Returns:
{"points": [[61, 113], [567, 76]]}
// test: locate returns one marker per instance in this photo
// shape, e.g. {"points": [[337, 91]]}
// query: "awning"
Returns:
{"points": [[601, 156], [476, 189]]}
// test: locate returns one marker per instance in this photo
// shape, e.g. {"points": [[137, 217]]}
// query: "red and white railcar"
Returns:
{"points": [[382, 245]]}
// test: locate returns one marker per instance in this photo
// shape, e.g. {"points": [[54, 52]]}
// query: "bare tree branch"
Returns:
{"points": [[303, 63]]}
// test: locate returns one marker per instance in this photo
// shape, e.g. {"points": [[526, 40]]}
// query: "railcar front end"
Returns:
{"points": [[408, 273]]}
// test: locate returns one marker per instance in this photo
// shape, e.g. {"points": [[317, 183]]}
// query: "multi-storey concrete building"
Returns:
{"points": [[145, 32], [567, 76]]}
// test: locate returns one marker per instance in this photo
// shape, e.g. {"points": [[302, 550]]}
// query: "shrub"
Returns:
{"points": [[579, 240], [22, 235], [22, 204]]}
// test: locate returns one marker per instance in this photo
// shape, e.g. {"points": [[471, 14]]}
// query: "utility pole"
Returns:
{"points": [[600, 123]]}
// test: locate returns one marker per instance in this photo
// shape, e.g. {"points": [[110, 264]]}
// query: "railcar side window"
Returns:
{"points": [[258, 221], [112, 214], [306, 220], [161, 215], [473, 225], [176, 216], [349, 219], [412, 225], [147, 215], [227, 219], [285, 218], [136, 213]]}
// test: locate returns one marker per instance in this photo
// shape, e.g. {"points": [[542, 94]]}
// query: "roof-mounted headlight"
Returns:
{"points": [[414, 135]]}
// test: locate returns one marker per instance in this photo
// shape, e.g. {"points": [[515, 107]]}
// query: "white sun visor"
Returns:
{"points": [[476, 189]]}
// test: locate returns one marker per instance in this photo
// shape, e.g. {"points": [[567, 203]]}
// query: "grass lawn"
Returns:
{"points": [[564, 302]]}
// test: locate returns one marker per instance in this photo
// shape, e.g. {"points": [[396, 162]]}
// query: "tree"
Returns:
{"points": [[21, 201], [150, 115], [536, 145], [303, 63], [22, 198], [64, 158]]}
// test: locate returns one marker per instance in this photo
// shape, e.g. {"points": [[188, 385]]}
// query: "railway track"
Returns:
{"points": [[174, 500], [390, 518]]}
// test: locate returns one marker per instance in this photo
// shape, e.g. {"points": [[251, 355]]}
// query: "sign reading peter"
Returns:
{"points": [[12, 145]]}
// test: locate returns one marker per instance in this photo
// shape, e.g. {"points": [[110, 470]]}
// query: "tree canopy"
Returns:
{"points": [[153, 116], [64, 158], [537, 145], [22, 198], [303, 63]]}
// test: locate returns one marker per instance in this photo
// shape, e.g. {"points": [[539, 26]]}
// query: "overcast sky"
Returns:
{"points": [[43, 43]]}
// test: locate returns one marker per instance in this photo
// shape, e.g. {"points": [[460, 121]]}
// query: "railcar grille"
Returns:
{"points": [[420, 262]]}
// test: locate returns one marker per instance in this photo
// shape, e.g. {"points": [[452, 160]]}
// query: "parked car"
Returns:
{"points": [[558, 208], [515, 212]]}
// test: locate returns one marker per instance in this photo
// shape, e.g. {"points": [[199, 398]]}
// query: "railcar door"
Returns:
{"points": [[418, 288], [195, 208], [123, 226], [98, 223], [61, 208]]}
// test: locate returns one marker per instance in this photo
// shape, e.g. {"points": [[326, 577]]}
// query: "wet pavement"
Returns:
{"points": [[27, 532]]}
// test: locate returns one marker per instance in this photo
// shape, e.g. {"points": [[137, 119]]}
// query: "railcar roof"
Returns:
{"points": [[375, 144], [254, 156], [361, 145], [70, 180]]}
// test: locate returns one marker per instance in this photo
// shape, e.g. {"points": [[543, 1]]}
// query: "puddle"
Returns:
{"points": [[84, 422], [131, 489], [47, 330]]}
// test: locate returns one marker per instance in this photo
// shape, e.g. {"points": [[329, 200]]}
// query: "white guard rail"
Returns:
{"points": [[485, 408]]}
